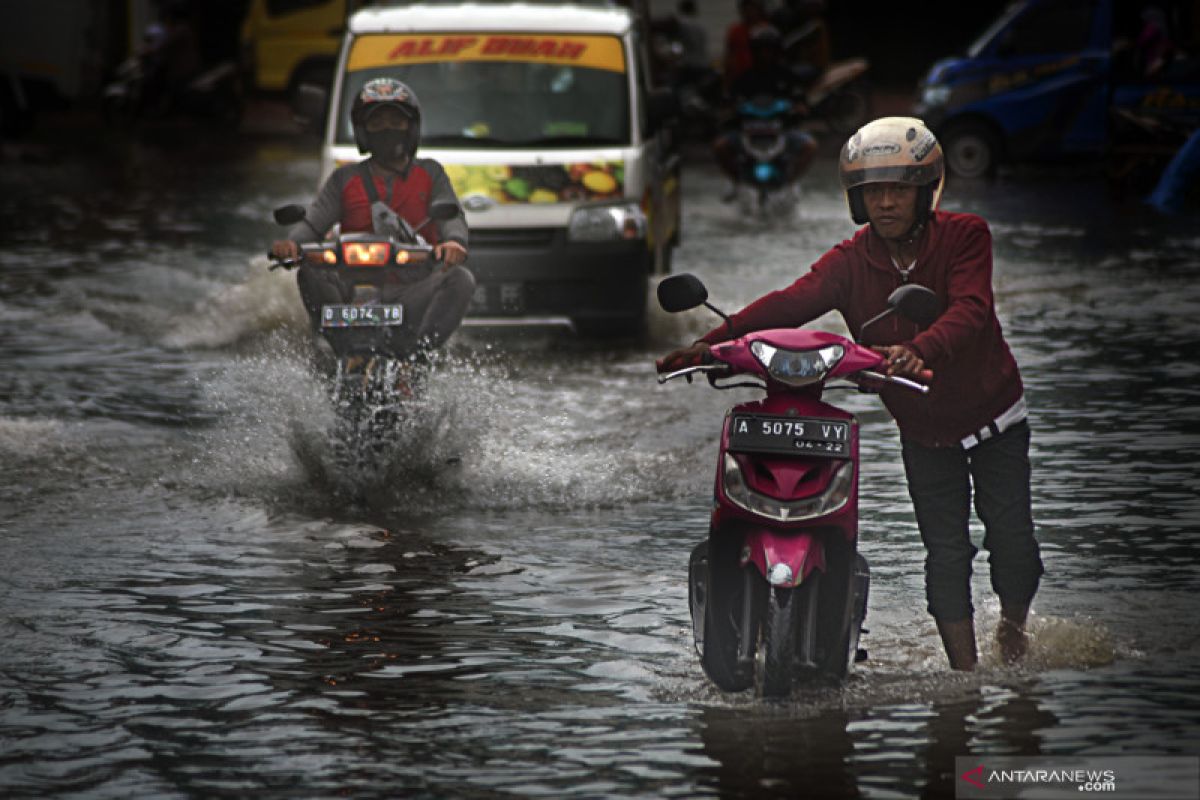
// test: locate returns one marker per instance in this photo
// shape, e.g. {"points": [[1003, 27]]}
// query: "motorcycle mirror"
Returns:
{"points": [[912, 302], [289, 214], [916, 303], [681, 292], [443, 210]]}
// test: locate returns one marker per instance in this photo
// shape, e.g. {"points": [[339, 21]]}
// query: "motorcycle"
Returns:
{"points": [[379, 362], [699, 88], [764, 162], [215, 95], [778, 591], [836, 94]]}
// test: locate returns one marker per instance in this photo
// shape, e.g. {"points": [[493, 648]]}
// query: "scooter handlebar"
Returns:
{"points": [[904, 382]]}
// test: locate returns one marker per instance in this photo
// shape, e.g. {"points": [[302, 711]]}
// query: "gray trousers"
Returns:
{"points": [[435, 299], [942, 482]]}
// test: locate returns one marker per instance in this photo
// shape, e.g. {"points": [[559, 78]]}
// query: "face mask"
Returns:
{"points": [[389, 145]]}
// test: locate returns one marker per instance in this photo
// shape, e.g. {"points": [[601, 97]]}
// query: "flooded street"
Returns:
{"points": [[195, 602]]}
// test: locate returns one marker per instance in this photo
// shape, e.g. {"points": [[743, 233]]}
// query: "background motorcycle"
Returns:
{"points": [[215, 94], [378, 362], [837, 93], [764, 162], [778, 592], [699, 88]]}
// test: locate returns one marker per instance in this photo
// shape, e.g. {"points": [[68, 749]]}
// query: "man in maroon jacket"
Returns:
{"points": [[360, 197], [970, 431]]}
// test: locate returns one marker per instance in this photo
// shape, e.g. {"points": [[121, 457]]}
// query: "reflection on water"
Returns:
{"points": [[199, 600]]}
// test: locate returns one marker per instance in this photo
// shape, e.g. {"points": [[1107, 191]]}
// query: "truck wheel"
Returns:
{"points": [[972, 150]]}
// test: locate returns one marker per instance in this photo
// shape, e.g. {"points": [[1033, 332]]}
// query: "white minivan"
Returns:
{"points": [[547, 124]]}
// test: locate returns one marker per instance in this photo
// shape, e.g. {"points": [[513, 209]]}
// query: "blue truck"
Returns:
{"points": [[1058, 78]]}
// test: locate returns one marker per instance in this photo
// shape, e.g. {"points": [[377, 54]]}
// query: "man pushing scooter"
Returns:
{"points": [[969, 437]]}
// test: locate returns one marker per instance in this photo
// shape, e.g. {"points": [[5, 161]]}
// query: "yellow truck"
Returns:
{"points": [[286, 43]]}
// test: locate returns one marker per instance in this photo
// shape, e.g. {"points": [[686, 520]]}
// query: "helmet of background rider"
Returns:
{"points": [[892, 150], [766, 43], [376, 94]]}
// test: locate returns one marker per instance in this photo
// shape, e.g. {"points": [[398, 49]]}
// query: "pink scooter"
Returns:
{"points": [[778, 592]]}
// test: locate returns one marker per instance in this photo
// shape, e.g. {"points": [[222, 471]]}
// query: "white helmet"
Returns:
{"points": [[892, 150]]}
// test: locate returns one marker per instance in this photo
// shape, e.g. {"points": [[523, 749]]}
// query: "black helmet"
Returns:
{"points": [[764, 36], [379, 92]]}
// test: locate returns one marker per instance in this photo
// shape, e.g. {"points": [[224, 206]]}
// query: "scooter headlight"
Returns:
{"points": [[797, 367], [764, 173], [829, 501]]}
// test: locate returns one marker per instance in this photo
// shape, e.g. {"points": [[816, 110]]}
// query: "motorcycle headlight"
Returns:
{"points": [[607, 223], [797, 367], [827, 502]]}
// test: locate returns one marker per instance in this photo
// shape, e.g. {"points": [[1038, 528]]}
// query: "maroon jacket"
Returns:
{"points": [[975, 375]]}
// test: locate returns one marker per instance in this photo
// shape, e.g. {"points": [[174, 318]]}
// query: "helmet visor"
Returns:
{"points": [[915, 174]]}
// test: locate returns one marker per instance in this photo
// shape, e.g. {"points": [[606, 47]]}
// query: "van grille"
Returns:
{"points": [[512, 237]]}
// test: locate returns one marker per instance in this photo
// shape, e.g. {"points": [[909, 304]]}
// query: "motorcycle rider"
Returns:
{"points": [[768, 76], [970, 432], [386, 116]]}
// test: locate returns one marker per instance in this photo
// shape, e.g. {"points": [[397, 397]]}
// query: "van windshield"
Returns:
{"points": [[531, 96]]}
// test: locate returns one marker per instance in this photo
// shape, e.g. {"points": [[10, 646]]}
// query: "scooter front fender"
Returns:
{"points": [[770, 551]]}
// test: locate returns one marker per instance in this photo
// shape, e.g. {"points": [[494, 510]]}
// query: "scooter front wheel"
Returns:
{"points": [[778, 642]]}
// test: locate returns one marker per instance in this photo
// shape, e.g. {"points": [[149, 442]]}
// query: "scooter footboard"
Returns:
{"points": [[784, 559]]}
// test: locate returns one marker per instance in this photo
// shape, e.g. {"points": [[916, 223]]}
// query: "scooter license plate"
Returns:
{"points": [[361, 316], [753, 433]]}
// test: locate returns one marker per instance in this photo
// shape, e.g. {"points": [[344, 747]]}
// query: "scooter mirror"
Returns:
{"points": [[443, 210], [289, 215], [681, 292], [917, 304]]}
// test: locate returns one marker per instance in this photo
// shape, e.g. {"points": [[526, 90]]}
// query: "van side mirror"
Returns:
{"points": [[681, 292], [662, 106], [311, 101]]}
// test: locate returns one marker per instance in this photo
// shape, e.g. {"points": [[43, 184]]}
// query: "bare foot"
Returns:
{"points": [[1012, 639]]}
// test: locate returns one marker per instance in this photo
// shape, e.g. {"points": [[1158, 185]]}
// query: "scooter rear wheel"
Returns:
{"points": [[717, 592]]}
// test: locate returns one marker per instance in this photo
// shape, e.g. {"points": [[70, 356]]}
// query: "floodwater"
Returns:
{"points": [[194, 602]]}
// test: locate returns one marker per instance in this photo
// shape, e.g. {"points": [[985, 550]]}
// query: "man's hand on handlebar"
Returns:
{"points": [[285, 250], [450, 253], [691, 356], [903, 362]]}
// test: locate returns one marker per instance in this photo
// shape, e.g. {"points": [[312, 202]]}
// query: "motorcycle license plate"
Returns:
{"points": [[361, 316], [751, 433]]}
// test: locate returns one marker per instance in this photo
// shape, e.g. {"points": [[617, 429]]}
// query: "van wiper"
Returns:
{"points": [[451, 139], [573, 141], [446, 139]]}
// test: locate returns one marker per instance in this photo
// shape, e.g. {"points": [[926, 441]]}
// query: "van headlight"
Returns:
{"points": [[797, 367], [937, 94], [607, 223], [827, 502]]}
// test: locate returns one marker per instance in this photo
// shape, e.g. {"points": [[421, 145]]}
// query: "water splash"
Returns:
{"points": [[264, 301], [477, 437]]}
